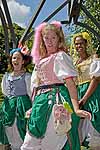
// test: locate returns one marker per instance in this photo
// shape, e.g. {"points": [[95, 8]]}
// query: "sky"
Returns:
{"points": [[21, 12]]}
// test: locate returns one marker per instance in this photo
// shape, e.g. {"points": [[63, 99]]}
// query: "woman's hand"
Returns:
{"points": [[27, 115], [83, 114]]}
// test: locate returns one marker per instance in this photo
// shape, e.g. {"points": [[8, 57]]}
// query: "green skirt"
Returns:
{"points": [[41, 111], [3, 137], [92, 105], [12, 108]]}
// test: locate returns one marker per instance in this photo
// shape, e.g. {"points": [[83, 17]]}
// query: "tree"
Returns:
{"points": [[93, 6], [18, 32], [95, 11]]}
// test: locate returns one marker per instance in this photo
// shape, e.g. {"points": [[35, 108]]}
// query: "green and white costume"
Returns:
{"points": [[86, 69], [41, 134], [17, 101]]}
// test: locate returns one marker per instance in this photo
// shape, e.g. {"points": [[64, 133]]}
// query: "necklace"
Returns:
{"points": [[82, 59]]}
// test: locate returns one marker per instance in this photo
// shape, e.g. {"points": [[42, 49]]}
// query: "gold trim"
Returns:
{"points": [[83, 82]]}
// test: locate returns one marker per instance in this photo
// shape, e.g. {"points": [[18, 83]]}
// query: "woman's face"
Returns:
{"points": [[80, 44], [17, 61], [51, 41]]}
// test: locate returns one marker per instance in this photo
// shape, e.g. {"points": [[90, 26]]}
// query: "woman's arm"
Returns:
{"points": [[28, 83], [93, 85], [74, 98], [73, 92], [3, 84]]}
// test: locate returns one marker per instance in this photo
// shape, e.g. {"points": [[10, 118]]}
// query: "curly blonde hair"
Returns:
{"points": [[39, 50], [89, 48], [59, 33]]}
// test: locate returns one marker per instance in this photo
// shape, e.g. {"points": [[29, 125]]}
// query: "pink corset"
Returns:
{"points": [[45, 71]]}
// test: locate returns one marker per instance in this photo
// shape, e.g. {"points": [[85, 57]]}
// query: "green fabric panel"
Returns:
{"points": [[23, 105], [73, 133], [41, 112], [15, 107], [9, 111], [3, 137], [92, 105]]}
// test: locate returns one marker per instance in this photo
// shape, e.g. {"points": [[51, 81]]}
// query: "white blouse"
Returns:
{"points": [[95, 68], [53, 69], [63, 66]]}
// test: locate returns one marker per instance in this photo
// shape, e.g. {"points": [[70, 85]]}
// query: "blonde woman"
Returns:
{"points": [[88, 88], [53, 68]]}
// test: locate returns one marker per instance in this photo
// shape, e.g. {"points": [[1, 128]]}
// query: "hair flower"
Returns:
{"points": [[86, 36], [40, 27], [15, 50], [56, 23], [25, 50]]}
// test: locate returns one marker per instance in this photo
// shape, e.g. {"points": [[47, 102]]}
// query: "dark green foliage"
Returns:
{"points": [[18, 32], [93, 6], [1, 95], [3, 62]]}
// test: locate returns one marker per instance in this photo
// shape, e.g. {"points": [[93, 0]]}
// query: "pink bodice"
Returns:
{"points": [[45, 71]]}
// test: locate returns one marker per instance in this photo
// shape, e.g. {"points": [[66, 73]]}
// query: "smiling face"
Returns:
{"points": [[17, 61], [80, 44], [51, 41]]}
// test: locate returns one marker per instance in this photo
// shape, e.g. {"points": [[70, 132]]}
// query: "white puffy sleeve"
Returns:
{"points": [[63, 66], [34, 79], [3, 84], [28, 83], [95, 68]]}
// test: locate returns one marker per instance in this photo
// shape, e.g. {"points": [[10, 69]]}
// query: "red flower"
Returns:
{"points": [[25, 50]]}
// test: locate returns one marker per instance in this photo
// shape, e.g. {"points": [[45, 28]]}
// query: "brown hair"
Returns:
{"points": [[27, 60]]}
